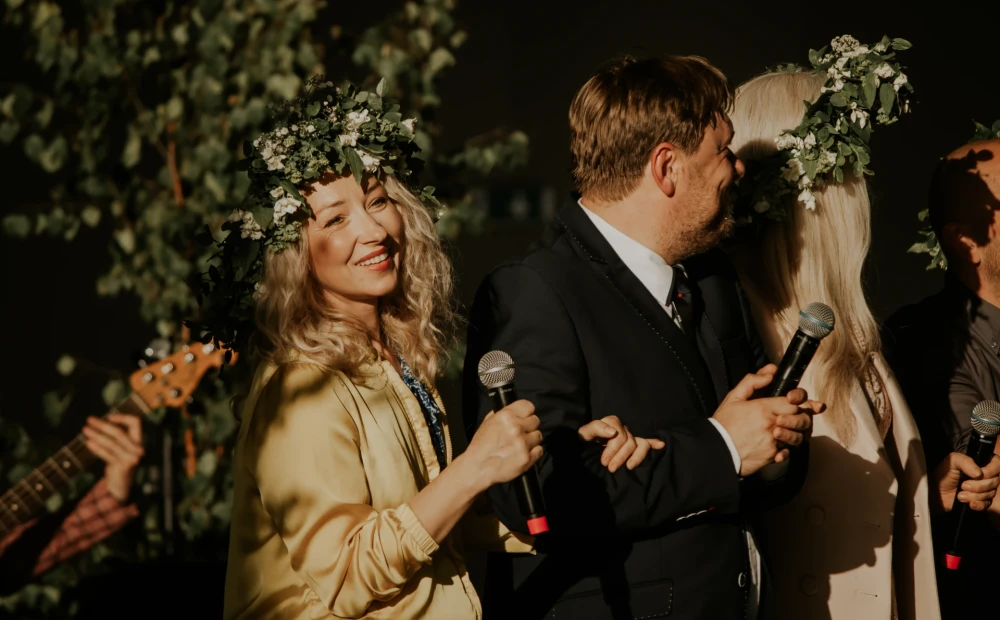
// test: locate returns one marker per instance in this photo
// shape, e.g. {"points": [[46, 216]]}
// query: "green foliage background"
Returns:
{"points": [[136, 111]]}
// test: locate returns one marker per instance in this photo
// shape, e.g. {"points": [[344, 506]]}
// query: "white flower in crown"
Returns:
{"points": [[844, 43], [884, 71], [411, 124], [858, 116], [370, 161], [350, 138], [829, 157], [792, 170], [899, 81], [250, 228], [787, 141], [236, 215], [277, 192], [259, 288], [807, 198], [310, 129], [285, 206], [810, 141], [274, 163], [762, 206], [356, 120]]}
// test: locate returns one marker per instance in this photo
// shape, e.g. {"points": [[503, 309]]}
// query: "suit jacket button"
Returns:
{"points": [[742, 580], [815, 515], [809, 585]]}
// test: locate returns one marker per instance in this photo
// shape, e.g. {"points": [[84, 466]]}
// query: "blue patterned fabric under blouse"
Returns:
{"points": [[432, 413]]}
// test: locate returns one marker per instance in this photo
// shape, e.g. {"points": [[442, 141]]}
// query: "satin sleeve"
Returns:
{"points": [[482, 530], [312, 482]]}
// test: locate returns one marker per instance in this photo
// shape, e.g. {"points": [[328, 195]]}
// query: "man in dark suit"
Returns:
{"points": [[625, 310]]}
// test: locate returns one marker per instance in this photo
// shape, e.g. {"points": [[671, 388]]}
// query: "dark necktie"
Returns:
{"points": [[683, 302]]}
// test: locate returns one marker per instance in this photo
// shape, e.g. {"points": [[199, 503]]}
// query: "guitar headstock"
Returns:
{"points": [[170, 380]]}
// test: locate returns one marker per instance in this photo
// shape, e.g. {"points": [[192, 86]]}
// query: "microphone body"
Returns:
{"points": [[816, 322], [793, 364], [982, 442], [496, 372]]}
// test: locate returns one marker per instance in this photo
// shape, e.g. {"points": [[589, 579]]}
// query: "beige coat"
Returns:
{"points": [[321, 527], [832, 549]]}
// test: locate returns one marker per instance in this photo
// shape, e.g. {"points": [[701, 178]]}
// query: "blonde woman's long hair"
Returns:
{"points": [[811, 255], [295, 324]]}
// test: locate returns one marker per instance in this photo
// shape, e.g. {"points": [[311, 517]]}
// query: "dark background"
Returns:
{"points": [[520, 67]]}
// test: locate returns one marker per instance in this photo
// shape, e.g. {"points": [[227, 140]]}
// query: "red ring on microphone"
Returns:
{"points": [[952, 561], [538, 525]]}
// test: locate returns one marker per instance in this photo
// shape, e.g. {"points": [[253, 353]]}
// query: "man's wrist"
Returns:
{"points": [[733, 452]]}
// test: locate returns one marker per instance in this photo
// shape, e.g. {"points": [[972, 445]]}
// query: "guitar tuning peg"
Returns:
{"points": [[158, 349]]}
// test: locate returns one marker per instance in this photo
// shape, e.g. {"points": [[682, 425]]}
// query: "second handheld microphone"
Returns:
{"points": [[982, 442], [496, 372]]}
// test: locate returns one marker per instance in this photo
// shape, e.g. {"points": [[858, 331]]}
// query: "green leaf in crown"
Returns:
{"points": [[865, 87], [327, 128]]}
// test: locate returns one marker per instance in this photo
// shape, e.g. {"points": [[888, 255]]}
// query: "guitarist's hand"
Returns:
{"points": [[120, 448]]}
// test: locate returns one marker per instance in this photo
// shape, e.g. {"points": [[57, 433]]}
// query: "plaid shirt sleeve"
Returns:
{"points": [[96, 516]]}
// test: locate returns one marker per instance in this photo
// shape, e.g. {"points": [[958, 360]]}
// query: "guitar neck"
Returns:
{"points": [[27, 498]]}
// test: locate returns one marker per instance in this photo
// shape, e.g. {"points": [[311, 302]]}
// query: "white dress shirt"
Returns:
{"points": [[658, 278]]}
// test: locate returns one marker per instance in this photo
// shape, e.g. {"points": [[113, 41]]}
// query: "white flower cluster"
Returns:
{"points": [[794, 172], [249, 228], [843, 64], [286, 205], [273, 149], [847, 47], [352, 127]]}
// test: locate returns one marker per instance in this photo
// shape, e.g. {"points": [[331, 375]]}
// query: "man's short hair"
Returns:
{"points": [[629, 106]]}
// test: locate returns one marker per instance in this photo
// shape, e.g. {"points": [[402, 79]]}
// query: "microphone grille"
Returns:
{"points": [[986, 418], [817, 320], [496, 368]]}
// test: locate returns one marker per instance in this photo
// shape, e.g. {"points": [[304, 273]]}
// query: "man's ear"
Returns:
{"points": [[666, 166], [961, 246]]}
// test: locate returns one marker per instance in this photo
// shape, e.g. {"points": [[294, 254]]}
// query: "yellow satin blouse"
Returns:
{"points": [[321, 528]]}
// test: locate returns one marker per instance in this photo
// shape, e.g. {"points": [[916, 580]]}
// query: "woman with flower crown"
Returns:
{"points": [[333, 279], [856, 541]]}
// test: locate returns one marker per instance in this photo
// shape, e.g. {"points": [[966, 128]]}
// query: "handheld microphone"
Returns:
{"points": [[983, 440], [816, 322], [496, 372]]}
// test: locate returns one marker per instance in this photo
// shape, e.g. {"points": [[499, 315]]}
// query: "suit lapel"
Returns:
{"points": [[605, 261]]}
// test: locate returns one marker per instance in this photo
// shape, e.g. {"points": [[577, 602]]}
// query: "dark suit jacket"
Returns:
{"points": [[588, 340]]}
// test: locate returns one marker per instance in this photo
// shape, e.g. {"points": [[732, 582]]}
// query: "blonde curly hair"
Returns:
{"points": [[295, 324]]}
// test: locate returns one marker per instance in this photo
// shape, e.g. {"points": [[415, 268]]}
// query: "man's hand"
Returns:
{"points": [[978, 491], [762, 427], [621, 447], [120, 449]]}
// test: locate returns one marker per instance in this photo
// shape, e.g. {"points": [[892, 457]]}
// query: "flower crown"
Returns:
{"points": [[863, 82], [327, 128], [929, 243]]}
